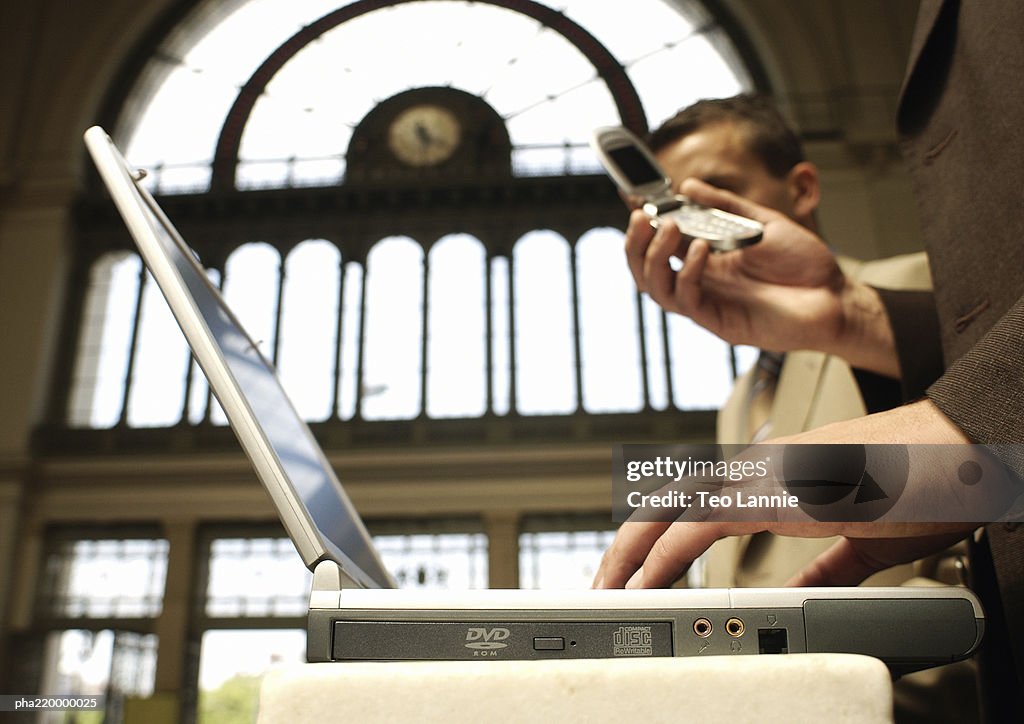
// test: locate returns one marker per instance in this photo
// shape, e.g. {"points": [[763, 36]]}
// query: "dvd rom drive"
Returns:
{"points": [[907, 628]]}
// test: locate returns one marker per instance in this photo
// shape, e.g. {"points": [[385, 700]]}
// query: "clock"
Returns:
{"points": [[424, 135]]}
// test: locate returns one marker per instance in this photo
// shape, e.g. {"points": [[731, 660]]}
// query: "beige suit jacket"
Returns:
{"points": [[813, 389]]}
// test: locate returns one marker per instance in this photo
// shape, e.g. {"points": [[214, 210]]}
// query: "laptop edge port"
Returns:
{"points": [[702, 627], [773, 641]]}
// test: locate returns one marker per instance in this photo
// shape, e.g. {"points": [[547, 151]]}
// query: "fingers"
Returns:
{"points": [[708, 195], [627, 552], [649, 251], [639, 234], [659, 277], [671, 555], [687, 293], [654, 555]]}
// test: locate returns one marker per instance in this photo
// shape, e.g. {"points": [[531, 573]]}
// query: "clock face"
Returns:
{"points": [[424, 135]]}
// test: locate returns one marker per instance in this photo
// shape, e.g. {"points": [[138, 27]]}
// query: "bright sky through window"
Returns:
{"points": [[545, 88]]}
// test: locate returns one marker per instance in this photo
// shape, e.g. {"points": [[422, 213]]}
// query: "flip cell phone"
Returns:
{"points": [[633, 167]]}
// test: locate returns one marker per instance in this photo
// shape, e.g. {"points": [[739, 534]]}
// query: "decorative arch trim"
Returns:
{"points": [[609, 69]]}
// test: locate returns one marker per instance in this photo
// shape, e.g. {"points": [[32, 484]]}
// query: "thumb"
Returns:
{"points": [[840, 565], [851, 560]]}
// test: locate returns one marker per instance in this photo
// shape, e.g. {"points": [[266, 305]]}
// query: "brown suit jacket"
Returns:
{"points": [[960, 122]]}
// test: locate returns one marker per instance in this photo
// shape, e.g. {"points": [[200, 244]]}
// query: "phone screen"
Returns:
{"points": [[635, 165]]}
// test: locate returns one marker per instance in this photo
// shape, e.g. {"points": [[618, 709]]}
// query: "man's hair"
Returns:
{"points": [[769, 136]]}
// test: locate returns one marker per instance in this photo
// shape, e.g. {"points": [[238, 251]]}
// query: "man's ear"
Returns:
{"points": [[804, 188]]}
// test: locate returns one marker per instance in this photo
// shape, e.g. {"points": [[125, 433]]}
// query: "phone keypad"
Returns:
{"points": [[723, 230]]}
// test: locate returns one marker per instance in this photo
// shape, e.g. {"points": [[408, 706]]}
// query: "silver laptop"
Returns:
{"points": [[355, 611]]}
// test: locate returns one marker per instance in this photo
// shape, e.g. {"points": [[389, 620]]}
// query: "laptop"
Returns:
{"points": [[357, 614]]}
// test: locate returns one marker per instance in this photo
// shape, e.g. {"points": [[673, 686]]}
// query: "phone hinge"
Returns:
{"points": [[664, 204]]}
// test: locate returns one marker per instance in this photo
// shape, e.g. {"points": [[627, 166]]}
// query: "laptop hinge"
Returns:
{"points": [[329, 580]]}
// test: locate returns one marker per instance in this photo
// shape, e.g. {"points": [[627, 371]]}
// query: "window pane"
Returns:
{"points": [[181, 179], [545, 359], [561, 559], [192, 64], [251, 278], [701, 371], [609, 343], [716, 79], [317, 172], [526, 71], [435, 560], [394, 330], [199, 395], [745, 357], [232, 664], [501, 340], [256, 577], [114, 664], [105, 578], [105, 344], [657, 367], [548, 56], [250, 288], [263, 175], [309, 327], [161, 361], [456, 363], [351, 313], [550, 96]]}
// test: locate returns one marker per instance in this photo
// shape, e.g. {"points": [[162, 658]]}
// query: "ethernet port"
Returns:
{"points": [[773, 640]]}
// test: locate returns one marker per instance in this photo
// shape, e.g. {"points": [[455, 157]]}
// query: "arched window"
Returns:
{"points": [[545, 327], [310, 307], [105, 341], [309, 72], [610, 353], [351, 332], [391, 382], [501, 337], [201, 404], [457, 328], [437, 240], [156, 384]]}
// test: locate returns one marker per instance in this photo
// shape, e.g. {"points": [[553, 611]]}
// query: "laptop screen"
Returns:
{"points": [[313, 506]]}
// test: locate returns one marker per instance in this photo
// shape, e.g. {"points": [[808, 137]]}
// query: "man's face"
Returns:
{"points": [[718, 154]]}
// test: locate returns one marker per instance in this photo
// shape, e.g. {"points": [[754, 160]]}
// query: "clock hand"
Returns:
{"points": [[423, 135]]}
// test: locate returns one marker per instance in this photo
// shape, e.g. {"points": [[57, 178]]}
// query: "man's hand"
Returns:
{"points": [[786, 292], [652, 555]]}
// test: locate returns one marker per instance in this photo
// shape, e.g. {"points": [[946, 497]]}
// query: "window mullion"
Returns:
{"points": [[576, 332], [208, 411], [642, 338], [281, 276], [512, 364], [489, 332], [136, 326], [666, 349], [425, 332], [338, 328], [361, 355], [189, 379]]}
